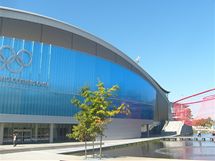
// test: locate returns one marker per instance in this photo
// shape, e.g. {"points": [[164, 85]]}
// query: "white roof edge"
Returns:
{"points": [[36, 18]]}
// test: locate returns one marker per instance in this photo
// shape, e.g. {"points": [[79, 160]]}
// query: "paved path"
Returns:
{"points": [[67, 147], [55, 151], [5, 149]]}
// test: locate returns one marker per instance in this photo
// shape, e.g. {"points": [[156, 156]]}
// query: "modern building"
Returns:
{"points": [[43, 65]]}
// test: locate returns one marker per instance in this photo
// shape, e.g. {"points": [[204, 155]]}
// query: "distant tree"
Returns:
{"points": [[208, 122], [96, 112]]}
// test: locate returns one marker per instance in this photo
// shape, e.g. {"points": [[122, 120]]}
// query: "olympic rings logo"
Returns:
{"points": [[6, 62]]}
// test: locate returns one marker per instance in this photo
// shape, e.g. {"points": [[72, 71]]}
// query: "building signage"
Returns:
{"points": [[23, 81], [18, 59], [6, 62]]}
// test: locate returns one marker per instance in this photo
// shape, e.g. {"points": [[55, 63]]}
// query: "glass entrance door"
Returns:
{"points": [[23, 135]]}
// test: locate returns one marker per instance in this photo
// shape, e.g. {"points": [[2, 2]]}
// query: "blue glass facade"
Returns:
{"points": [[64, 72]]}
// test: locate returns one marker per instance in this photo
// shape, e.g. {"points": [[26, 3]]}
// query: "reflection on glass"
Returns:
{"points": [[65, 72]]}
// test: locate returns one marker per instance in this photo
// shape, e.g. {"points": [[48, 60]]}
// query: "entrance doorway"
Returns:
{"points": [[23, 135]]}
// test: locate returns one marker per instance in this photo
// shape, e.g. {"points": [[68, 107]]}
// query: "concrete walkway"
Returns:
{"points": [[55, 151], [5, 149], [68, 146]]}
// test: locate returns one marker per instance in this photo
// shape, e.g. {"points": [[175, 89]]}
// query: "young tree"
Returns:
{"points": [[103, 108], [84, 131], [96, 112]]}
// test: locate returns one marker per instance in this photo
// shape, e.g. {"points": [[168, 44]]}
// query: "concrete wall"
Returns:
{"points": [[177, 127], [1, 133], [10, 118], [123, 129]]}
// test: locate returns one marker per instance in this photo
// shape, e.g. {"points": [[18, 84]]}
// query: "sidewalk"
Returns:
{"points": [[68, 146], [5, 149]]}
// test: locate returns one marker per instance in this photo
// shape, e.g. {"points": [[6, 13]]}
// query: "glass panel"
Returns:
{"points": [[54, 75]]}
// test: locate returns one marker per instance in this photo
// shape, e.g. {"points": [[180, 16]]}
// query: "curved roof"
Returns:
{"points": [[35, 18]]}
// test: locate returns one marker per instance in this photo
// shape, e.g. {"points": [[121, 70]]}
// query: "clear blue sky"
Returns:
{"points": [[174, 38]]}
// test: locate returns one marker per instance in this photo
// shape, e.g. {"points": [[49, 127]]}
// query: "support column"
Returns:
{"points": [[51, 138], [147, 128], [1, 133], [36, 133]]}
